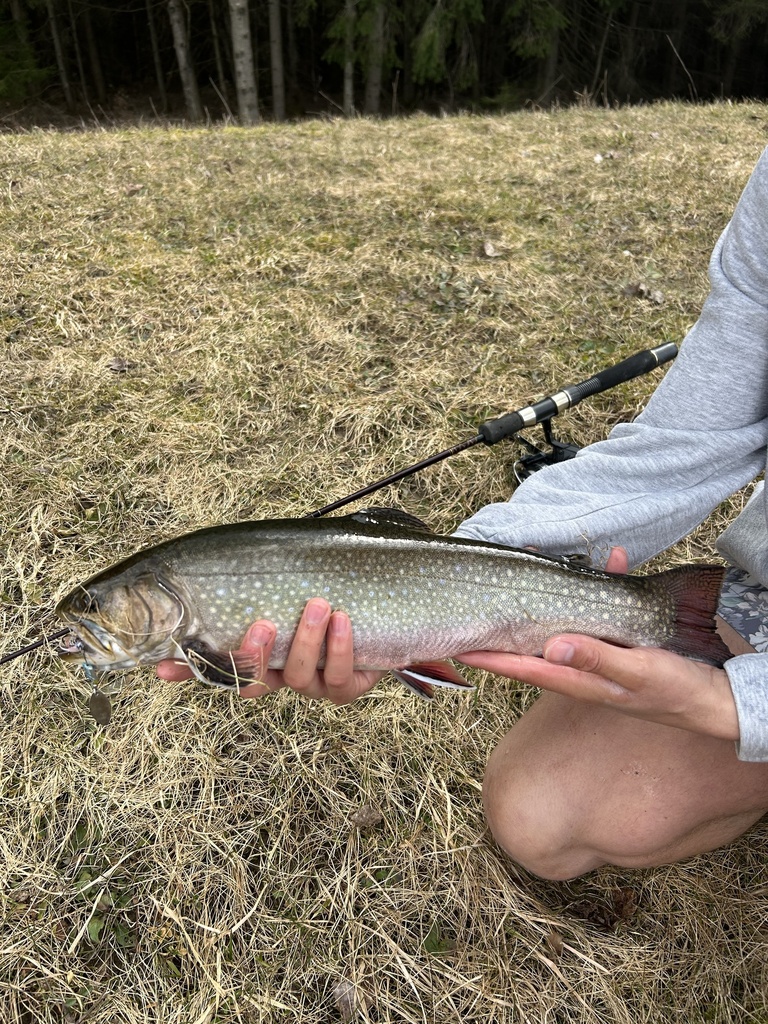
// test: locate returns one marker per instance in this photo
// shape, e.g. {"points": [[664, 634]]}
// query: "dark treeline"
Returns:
{"points": [[290, 58]]}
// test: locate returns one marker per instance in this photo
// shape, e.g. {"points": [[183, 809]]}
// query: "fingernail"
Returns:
{"points": [[315, 613], [560, 652], [339, 624], [259, 635]]}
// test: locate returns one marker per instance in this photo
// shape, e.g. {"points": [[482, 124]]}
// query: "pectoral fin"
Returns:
{"points": [[221, 668], [420, 679]]}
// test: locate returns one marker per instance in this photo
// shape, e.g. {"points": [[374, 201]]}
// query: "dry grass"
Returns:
{"points": [[200, 326]]}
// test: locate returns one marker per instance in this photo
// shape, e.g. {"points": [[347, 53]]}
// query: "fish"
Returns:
{"points": [[415, 598]]}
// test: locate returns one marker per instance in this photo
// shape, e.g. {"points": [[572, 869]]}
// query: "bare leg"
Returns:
{"points": [[574, 786]]}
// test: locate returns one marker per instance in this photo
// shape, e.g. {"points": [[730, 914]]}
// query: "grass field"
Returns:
{"points": [[206, 325]]}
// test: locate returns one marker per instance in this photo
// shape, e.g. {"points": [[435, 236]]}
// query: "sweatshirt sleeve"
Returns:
{"points": [[702, 436], [748, 676]]}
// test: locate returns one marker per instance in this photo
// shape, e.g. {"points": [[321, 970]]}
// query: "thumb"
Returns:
{"points": [[587, 654], [617, 561]]}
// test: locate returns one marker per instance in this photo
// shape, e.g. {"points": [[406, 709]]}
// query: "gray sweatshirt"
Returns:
{"points": [[703, 435]]}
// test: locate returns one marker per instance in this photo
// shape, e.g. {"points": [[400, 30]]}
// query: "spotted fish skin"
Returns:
{"points": [[412, 596]]}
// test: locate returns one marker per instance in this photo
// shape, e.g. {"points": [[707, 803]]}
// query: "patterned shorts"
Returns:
{"points": [[744, 605]]}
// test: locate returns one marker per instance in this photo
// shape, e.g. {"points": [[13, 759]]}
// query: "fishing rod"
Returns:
{"points": [[493, 431], [509, 425]]}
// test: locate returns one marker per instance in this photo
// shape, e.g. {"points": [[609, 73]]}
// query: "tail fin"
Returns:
{"points": [[695, 589]]}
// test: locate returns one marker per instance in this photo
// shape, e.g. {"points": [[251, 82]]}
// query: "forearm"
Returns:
{"points": [[702, 436]]}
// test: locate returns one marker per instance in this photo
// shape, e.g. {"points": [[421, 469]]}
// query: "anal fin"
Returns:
{"points": [[421, 678]]}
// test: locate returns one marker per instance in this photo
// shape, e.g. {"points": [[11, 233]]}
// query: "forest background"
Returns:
{"points": [[110, 60]]}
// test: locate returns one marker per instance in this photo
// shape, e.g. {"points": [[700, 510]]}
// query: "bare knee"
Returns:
{"points": [[528, 821]]}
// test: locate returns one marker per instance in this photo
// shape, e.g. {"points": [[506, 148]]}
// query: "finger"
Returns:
{"points": [[618, 561], [173, 670], [338, 673], [261, 688], [257, 646], [629, 667], [300, 672], [557, 677]]}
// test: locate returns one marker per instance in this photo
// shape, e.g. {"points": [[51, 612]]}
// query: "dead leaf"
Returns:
{"points": [[555, 942], [349, 999], [640, 290], [119, 365], [624, 902], [596, 913], [100, 707], [609, 912], [366, 816]]}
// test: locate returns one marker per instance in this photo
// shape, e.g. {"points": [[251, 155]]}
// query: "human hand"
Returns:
{"points": [[337, 682], [644, 682]]}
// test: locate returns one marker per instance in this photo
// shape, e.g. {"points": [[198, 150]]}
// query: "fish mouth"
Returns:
{"points": [[89, 643]]}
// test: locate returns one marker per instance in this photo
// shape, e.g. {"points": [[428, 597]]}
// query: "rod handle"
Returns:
{"points": [[629, 368]]}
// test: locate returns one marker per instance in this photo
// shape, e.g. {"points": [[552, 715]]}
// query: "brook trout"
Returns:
{"points": [[414, 598]]}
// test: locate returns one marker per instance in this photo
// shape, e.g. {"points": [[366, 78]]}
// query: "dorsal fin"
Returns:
{"points": [[378, 515]]}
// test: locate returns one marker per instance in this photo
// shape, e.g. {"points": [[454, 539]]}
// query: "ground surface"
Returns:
{"points": [[209, 325]]}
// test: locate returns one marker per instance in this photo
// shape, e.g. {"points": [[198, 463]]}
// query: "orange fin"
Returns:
{"points": [[695, 589], [420, 679]]}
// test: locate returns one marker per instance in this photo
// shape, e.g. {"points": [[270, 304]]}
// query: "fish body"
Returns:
{"points": [[412, 596]]}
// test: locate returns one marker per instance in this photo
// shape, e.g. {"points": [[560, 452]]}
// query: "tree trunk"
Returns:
{"points": [[729, 66], [409, 27], [156, 58], [276, 60], [184, 59], [348, 102], [600, 53], [375, 68], [291, 47], [242, 55], [78, 55], [94, 59], [676, 69], [59, 51], [626, 82], [221, 80], [549, 64], [20, 21]]}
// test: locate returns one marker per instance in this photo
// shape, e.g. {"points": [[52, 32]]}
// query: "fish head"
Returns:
{"points": [[120, 621]]}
